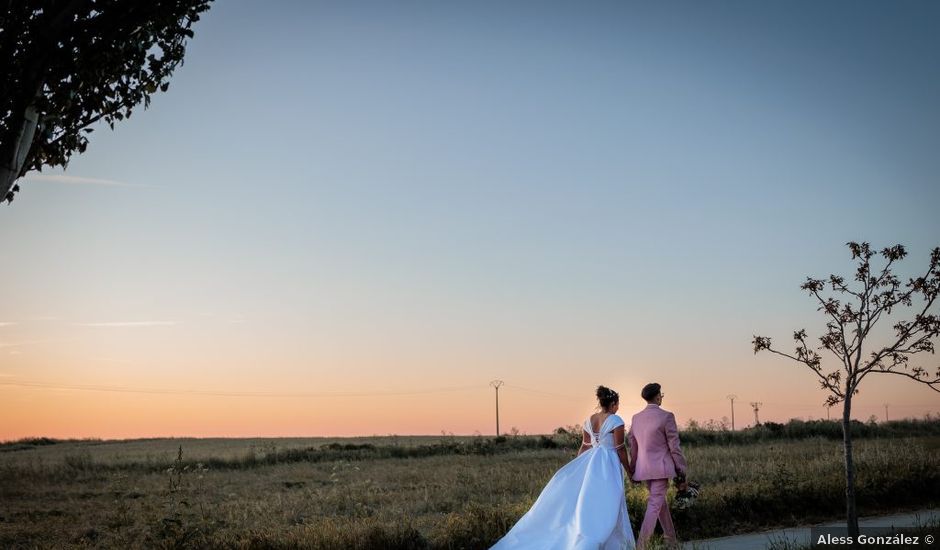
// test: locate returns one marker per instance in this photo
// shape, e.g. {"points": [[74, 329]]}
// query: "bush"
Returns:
{"points": [[804, 429]]}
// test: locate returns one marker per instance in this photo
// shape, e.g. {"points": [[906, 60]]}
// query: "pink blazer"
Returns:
{"points": [[654, 445]]}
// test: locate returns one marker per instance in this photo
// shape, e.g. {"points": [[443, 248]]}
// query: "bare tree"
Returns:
{"points": [[852, 310]]}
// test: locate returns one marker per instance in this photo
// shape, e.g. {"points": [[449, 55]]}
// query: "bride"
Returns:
{"points": [[583, 504]]}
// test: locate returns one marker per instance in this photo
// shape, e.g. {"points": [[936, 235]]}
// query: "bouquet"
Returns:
{"points": [[685, 498]]}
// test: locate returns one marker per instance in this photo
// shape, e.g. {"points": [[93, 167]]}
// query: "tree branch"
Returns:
{"points": [[831, 308], [826, 383], [932, 384], [903, 337]]}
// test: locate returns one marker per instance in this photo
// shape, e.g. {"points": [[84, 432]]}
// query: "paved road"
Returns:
{"points": [[801, 535]]}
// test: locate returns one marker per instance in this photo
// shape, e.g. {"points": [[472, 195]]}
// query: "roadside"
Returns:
{"points": [[800, 536]]}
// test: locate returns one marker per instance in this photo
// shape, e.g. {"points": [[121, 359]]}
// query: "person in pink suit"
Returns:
{"points": [[656, 457]]}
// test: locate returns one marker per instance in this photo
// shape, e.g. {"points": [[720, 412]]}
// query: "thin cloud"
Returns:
{"points": [[6, 324], [26, 343], [78, 180], [177, 391], [110, 360], [129, 324]]}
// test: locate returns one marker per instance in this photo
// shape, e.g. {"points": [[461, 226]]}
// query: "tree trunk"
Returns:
{"points": [[851, 514], [15, 154]]}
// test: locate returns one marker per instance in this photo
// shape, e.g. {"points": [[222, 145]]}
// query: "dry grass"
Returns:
{"points": [[163, 451], [134, 494]]}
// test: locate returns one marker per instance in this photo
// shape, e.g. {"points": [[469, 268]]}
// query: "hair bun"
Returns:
{"points": [[606, 396]]}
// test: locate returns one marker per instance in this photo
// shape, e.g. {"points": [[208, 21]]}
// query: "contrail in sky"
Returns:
{"points": [[129, 324], [57, 178]]}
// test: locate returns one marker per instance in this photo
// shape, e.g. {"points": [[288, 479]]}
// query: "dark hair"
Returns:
{"points": [[607, 397], [650, 391]]}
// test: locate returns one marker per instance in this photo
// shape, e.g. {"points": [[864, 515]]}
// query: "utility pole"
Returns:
{"points": [[496, 384], [886, 411], [756, 406], [827, 412], [732, 397]]}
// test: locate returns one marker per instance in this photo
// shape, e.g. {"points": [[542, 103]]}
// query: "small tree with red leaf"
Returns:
{"points": [[852, 310]]}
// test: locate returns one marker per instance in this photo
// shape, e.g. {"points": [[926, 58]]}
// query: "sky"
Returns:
{"points": [[348, 218]]}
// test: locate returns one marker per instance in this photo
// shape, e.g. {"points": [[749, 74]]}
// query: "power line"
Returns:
{"points": [[217, 393], [391, 393], [222, 393], [540, 392]]}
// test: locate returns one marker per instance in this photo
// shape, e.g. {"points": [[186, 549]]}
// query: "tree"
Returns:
{"points": [[66, 64], [852, 311]]}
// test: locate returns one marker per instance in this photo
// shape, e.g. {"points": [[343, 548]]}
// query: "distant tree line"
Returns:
{"points": [[563, 438], [712, 433]]}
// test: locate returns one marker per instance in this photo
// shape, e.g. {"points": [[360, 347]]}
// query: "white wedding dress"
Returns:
{"points": [[583, 505]]}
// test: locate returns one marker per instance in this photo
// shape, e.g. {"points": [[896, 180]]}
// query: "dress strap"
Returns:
{"points": [[595, 437]]}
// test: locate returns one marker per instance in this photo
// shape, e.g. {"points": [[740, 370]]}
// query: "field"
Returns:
{"points": [[407, 492]]}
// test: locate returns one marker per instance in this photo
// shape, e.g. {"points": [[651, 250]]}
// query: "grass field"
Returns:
{"points": [[388, 492]]}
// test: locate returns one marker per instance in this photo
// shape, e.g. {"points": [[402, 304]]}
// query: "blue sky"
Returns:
{"points": [[433, 194]]}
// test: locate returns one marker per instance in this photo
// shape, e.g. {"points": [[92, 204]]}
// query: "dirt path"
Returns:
{"points": [[801, 535]]}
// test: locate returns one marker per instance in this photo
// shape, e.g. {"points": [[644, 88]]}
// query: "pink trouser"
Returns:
{"points": [[656, 509]]}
